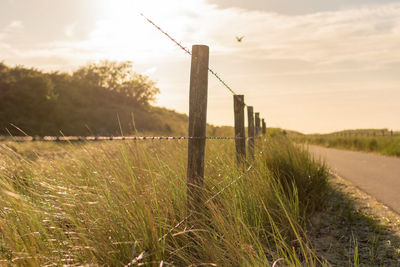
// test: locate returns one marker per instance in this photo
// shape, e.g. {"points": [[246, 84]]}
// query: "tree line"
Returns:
{"points": [[106, 98]]}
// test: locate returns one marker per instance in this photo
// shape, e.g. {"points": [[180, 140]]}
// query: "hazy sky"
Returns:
{"points": [[311, 65]]}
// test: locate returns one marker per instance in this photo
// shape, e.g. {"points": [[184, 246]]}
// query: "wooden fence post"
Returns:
{"points": [[264, 127], [240, 134], [250, 129], [197, 124], [257, 118]]}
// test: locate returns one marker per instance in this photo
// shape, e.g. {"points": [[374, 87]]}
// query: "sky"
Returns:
{"points": [[308, 65]]}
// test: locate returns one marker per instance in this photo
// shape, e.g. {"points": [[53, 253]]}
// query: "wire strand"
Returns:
{"points": [[189, 53], [108, 138]]}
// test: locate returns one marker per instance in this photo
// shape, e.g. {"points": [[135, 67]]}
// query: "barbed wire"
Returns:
{"points": [[189, 53], [222, 81], [108, 138], [166, 34]]}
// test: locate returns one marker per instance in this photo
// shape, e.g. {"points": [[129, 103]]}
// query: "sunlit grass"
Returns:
{"points": [[119, 202]]}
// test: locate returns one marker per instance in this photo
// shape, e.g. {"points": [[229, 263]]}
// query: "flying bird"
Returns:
{"points": [[239, 39]]}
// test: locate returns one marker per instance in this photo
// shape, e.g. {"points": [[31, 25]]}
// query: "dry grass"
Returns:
{"points": [[117, 203]]}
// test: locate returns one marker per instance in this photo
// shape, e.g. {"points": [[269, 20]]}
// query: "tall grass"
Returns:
{"points": [[386, 145], [124, 203]]}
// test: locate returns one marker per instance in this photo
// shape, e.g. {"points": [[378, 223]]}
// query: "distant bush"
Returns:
{"points": [[373, 145]]}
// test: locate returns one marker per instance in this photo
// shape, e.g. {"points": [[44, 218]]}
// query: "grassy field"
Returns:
{"points": [[386, 145], [117, 203]]}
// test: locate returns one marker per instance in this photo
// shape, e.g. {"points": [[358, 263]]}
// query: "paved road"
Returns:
{"points": [[379, 176]]}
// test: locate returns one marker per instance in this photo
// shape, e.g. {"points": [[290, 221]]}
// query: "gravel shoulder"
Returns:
{"points": [[355, 229]]}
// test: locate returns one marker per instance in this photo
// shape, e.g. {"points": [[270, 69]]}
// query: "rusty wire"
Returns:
{"points": [[189, 53], [107, 138]]}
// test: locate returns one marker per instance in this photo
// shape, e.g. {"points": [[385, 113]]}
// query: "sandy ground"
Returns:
{"points": [[355, 227]]}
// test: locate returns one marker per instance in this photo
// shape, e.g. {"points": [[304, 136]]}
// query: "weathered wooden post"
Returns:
{"points": [[240, 134], [264, 127], [257, 115], [197, 124], [250, 130]]}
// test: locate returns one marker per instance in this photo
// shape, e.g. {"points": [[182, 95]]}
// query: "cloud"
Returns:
{"points": [[69, 30], [366, 35], [326, 40], [7, 33], [14, 27], [149, 71]]}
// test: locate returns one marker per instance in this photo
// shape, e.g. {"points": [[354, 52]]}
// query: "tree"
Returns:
{"points": [[27, 98], [4, 78], [99, 96], [120, 78], [141, 89]]}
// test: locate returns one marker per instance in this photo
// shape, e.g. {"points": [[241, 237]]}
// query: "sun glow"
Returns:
{"points": [[121, 33], [128, 36]]}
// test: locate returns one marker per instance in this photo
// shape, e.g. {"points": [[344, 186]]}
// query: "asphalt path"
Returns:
{"points": [[378, 176]]}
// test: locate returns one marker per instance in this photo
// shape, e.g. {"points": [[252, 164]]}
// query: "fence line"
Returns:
{"points": [[108, 138], [239, 125]]}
